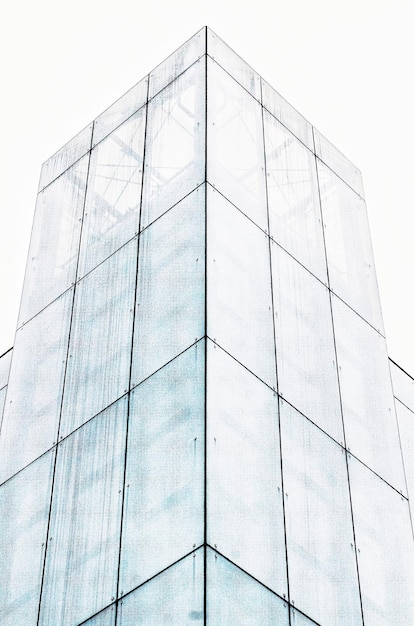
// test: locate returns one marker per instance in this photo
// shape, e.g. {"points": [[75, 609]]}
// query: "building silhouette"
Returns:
{"points": [[199, 419]]}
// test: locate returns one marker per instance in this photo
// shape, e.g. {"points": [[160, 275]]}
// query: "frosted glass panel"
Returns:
{"points": [[83, 543], [318, 524], [120, 110], [235, 598], [385, 549], [403, 385], [164, 505], [305, 344], [239, 295], [31, 415], [348, 247], [53, 252], [235, 144], [292, 186], [170, 293], [174, 598], [285, 112], [66, 156], [24, 513], [233, 64], [244, 498], [177, 62], [100, 340], [338, 162], [5, 361], [367, 399], [104, 618], [114, 193], [406, 427], [175, 143]]}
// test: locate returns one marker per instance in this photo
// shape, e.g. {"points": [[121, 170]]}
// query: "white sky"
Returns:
{"points": [[346, 66]]}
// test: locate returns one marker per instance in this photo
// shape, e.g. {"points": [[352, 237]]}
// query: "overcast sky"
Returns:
{"points": [[346, 66]]}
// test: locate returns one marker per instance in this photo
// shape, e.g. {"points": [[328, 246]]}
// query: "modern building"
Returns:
{"points": [[199, 418]]}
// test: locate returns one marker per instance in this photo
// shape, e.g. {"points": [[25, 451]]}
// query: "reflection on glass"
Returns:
{"points": [[173, 598], [294, 209], [66, 156], [367, 401], [235, 144], [100, 340], [318, 523], [31, 415], [338, 162], [403, 385], [385, 549], [104, 618], [24, 513], [306, 360], [164, 506], [298, 619], [113, 198], [244, 481], [83, 543], [170, 292], [235, 598], [348, 247], [53, 252], [174, 157], [239, 295]]}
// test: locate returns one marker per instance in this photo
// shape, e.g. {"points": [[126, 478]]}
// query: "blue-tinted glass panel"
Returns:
{"points": [[239, 295], [403, 385], [244, 497], [53, 252], [338, 162], [83, 542], [164, 504], [306, 361], [31, 414], [235, 144], [173, 598], [170, 292], [100, 340], [298, 619], [71, 152], [175, 143], [235, 598], [292, 187], [5, 361], [367, 400], [104, 618], [113, 198], [319, 530], [24, 513], [385, 549]]}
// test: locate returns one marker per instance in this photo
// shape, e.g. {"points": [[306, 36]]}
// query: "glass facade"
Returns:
{"points": [[201, 423]]}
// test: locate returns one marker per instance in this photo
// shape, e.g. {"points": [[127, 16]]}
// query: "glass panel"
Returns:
{"points": [[53, 252], [235, 598], [368, 405], [286, 114], [164, 505], [177, 62], [293, 196], [170, 293], [298, 619], [100, 340], [114, 193], [175, 143], [385, 549], [338, 162], [5, 361], [244, 480], [174, 598], [406, 427], [83, 544], [120, 110], [235, 144], [66, 156], [348, 247], [2, 401], [233, 64], [24, 514], [31, 415], [239, 294], [104, 618], [306, 362], [403, 385], [318, 524]]}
